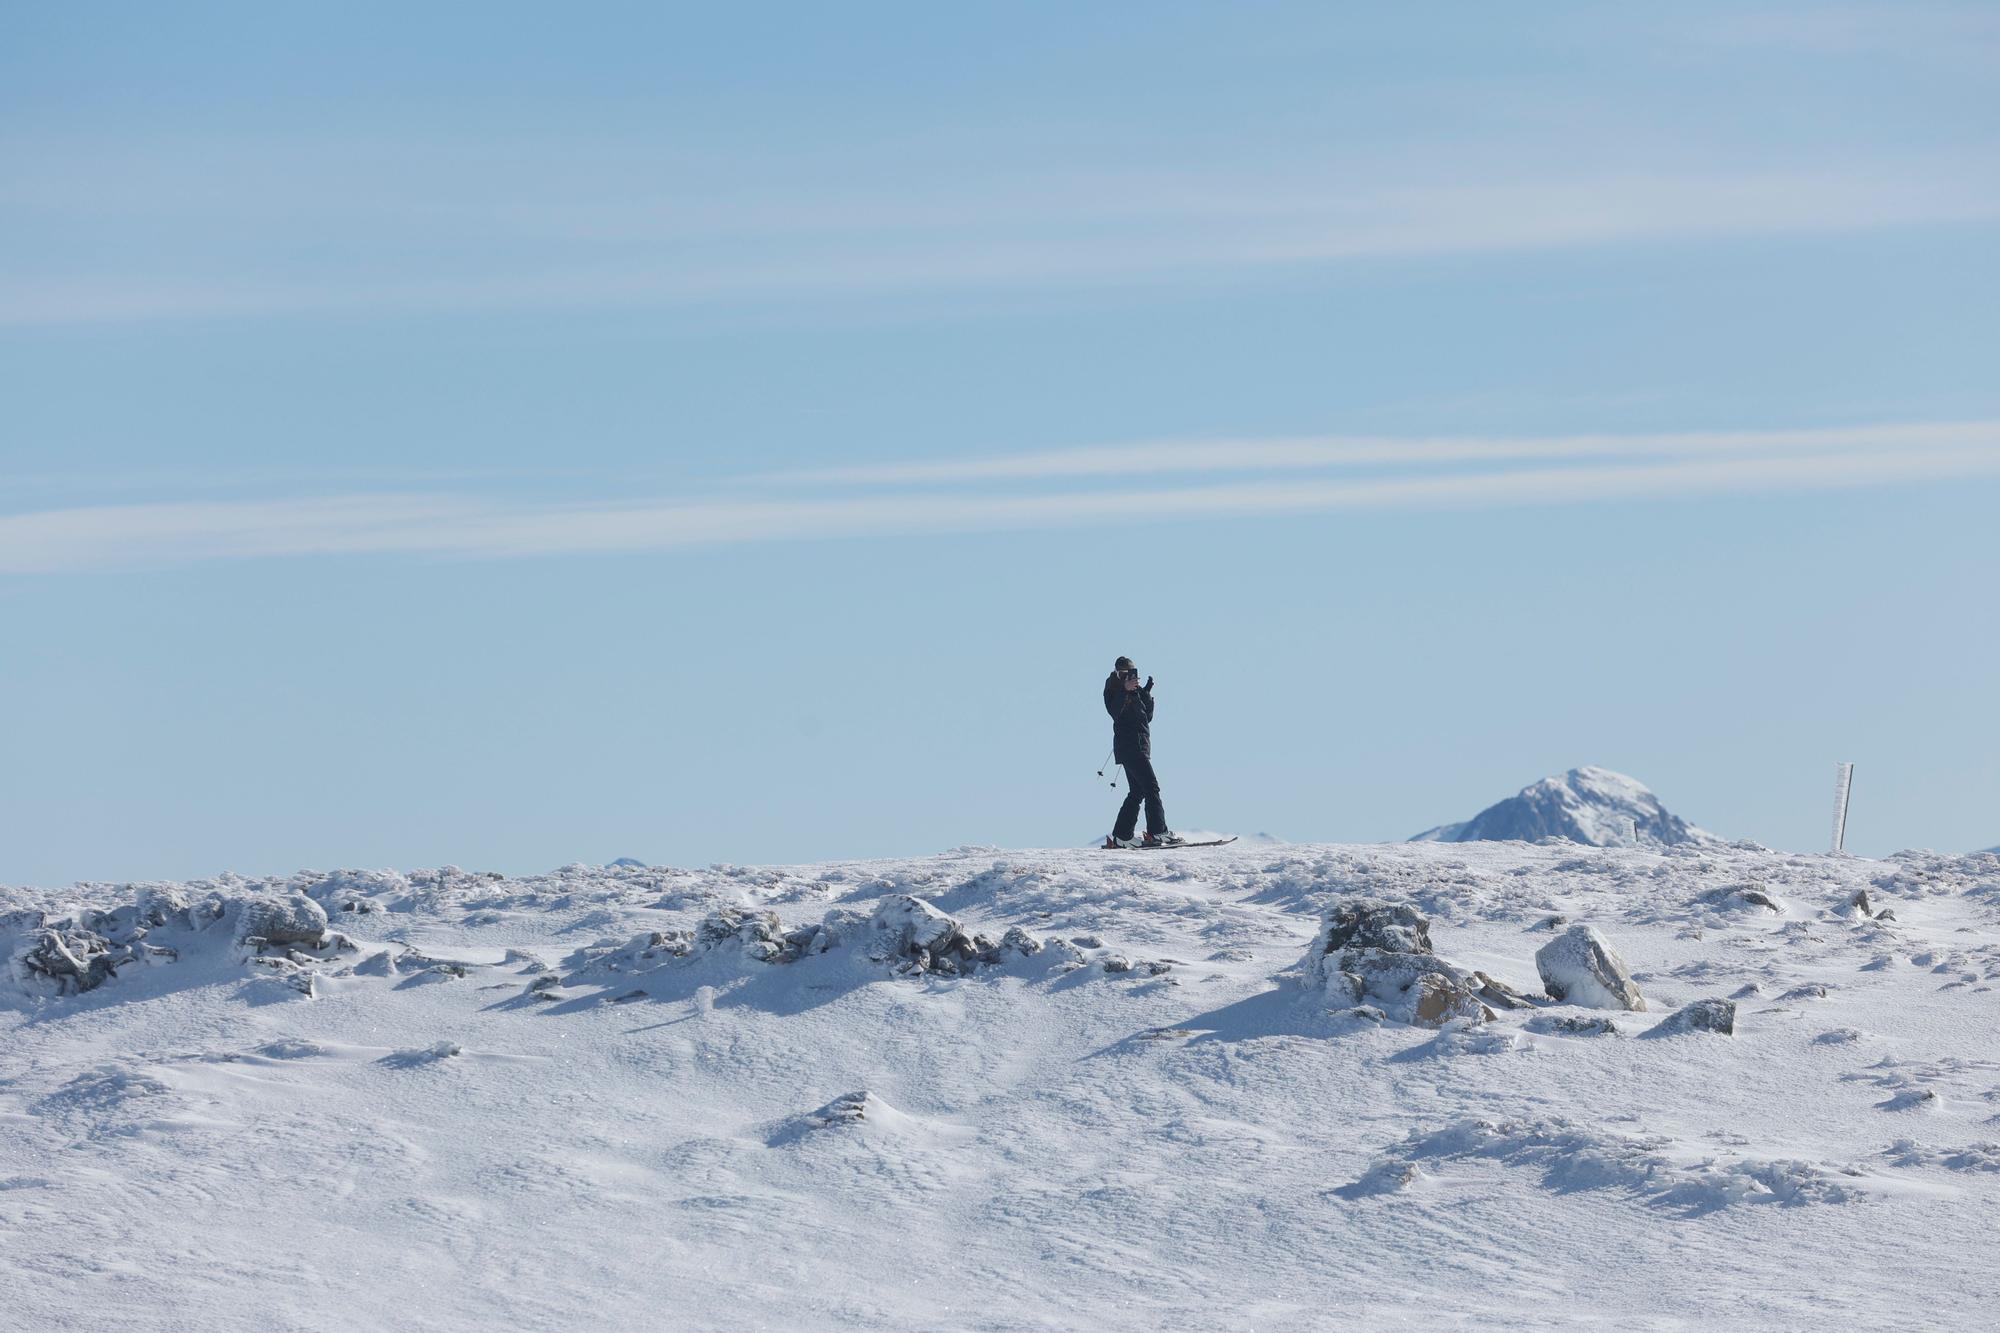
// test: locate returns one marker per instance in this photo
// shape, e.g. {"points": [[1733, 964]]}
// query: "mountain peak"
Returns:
{"points": [[1588, 805]]}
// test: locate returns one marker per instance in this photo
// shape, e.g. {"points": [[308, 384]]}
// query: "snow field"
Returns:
{"points": [[630, 1096]]}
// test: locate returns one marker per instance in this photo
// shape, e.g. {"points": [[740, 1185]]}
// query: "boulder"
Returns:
{"points": [[1717, 1016], [1579, 966], [281, 922], [1023, 942], [1571, 1025]]}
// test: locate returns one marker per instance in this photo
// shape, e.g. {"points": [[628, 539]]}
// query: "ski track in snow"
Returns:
{"points": [[661, 1141]]}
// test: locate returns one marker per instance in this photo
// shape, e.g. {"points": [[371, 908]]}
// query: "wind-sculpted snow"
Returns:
{"points": [[1654, 1168], [1273, 1086]]}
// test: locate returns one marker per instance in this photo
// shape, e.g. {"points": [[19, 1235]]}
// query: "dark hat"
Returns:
{"points": [[1122, 663]]}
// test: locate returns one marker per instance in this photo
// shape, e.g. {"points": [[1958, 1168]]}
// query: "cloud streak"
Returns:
{"points": [[613, 245], [155, 535], [1257, 455]]}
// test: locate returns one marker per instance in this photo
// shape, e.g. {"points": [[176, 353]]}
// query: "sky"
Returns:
{"points": [[749, 433]]}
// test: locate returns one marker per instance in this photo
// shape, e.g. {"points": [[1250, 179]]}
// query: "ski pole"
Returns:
{"points": [[1107, 763]]}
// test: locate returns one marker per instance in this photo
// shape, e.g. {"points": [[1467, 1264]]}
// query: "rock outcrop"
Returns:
{"points": [[70, 961], [904, 932], [1379, 955], [70, 954]]}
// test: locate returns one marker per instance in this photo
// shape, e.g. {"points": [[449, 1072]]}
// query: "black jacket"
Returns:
{"points": [[1131, 720]]}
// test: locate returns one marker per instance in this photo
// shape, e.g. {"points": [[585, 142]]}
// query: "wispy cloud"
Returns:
{"points": [[231, 251], [147, 535], [1159, 458]]}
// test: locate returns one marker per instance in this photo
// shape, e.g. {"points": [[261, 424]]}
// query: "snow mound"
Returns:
{"points": [[1982, 1156], [1572, 1158], [1593, 806]]}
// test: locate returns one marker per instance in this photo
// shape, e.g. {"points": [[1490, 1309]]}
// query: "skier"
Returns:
{"points": [[1131, 707]]}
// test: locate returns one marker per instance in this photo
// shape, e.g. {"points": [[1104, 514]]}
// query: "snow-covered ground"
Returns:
{"points": [[622, 1097]]}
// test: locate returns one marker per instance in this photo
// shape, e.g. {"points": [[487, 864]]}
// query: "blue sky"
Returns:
{"points": [[748, 433]]}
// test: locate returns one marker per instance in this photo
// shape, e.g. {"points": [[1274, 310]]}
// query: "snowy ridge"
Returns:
{"points": [[1593, 806], [1093, 1090]]}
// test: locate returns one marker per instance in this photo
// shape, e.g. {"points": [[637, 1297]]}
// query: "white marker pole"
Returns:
{"points": [[1843, 786]]}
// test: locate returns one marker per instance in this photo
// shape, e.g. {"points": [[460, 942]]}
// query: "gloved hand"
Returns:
{"points": [[1148, 689]]}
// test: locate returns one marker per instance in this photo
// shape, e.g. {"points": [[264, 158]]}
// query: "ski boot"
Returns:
{"points": [[1164, 838]]}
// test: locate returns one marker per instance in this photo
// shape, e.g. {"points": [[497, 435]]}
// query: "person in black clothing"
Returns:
{"points": [[1131, 707]]}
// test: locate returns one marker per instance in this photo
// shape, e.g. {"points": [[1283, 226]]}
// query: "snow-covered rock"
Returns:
{"points": [[904, 932], [1712, 1015], [1572, 1025], [78, 951], [1381, 952], [68, 961], [1579, 966], [1594, 806], [756, 932], [290, 919], [853, 1108], [1742, 897]]}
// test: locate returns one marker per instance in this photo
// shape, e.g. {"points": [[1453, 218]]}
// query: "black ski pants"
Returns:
{"points": [[1141, 784]]}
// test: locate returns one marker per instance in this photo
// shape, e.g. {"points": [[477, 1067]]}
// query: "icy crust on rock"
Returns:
{"points": [[1593, 806]]}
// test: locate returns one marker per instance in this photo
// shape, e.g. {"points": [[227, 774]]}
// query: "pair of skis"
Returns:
{"points": [[1168, 846]]}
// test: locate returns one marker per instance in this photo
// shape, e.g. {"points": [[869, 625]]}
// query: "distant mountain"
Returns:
{"points": [[1593, 806], [629, 864]]}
